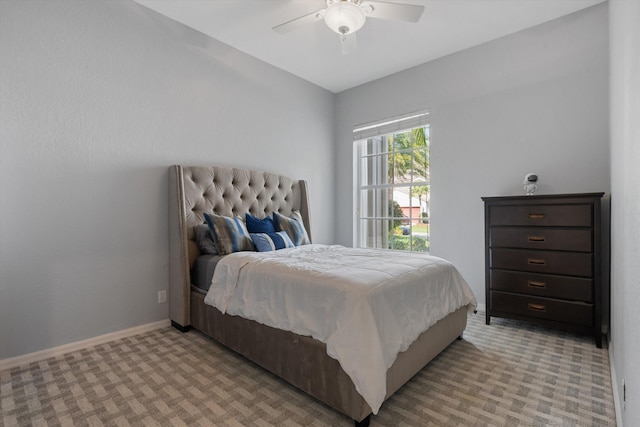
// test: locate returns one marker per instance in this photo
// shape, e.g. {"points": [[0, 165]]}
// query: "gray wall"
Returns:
{"points": [[625, 205], [98, 98], [534, 101]]}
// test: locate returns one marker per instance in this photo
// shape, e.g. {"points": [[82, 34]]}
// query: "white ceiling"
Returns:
{"points": [[383, 47]]}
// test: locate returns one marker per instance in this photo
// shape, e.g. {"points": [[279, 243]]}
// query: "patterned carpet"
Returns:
{"points": [[505, 374]]}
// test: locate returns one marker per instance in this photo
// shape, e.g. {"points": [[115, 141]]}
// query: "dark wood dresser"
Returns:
{"points": [[543, 260]]}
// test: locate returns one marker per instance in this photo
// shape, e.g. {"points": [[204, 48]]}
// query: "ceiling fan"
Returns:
{"points": [[345, 17]]}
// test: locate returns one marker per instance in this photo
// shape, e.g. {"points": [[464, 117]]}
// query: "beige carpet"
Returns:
{"points": [[505, 374]]}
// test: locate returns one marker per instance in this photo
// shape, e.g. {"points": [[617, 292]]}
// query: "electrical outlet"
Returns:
{"points": [[162, 297]]}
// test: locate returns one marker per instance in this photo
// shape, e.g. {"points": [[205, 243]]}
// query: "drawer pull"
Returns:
{"points": [[537, 239], [539, 285], [536, 261], [536, 216], [537, 307]]}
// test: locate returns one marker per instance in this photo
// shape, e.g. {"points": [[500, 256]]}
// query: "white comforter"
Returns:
{"points": [[367, 305]]}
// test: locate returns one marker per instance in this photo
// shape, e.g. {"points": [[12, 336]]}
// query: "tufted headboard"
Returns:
{"points": [[196, 190]]}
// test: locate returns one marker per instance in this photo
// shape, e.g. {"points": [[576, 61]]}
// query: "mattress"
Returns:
{"points": [[367, 305], [202, 271]]}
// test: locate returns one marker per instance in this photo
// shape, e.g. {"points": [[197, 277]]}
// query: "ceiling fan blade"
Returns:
{"points": [[394, 11], [349, 43], [299, 22]]}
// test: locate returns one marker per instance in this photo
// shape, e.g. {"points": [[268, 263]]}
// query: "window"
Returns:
{"points": [[392, 161]]}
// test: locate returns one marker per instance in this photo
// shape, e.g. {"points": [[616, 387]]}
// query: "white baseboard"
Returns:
{"points": [[80, 345], [482, 307], [614, 386]]}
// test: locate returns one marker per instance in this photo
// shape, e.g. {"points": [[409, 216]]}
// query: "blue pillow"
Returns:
{"points": [[256, 225], [293, 226], [230, 234], [266, 242]]}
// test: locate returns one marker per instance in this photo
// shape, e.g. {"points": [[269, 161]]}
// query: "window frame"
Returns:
{"points": [[371, 141]]}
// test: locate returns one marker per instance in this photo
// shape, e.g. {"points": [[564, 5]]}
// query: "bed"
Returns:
{"points": [[298, 358]]}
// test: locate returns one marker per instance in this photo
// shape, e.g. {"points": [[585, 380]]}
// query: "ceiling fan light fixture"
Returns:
{"points": [[344, 17]]}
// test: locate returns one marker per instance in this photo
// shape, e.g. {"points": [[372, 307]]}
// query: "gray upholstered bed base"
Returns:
{"points": [[301, 361]]}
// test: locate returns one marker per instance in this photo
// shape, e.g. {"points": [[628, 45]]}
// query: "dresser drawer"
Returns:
{"points": [[542, 215], [543, 308], [578, 240], [543, 285], [549, 262]]}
